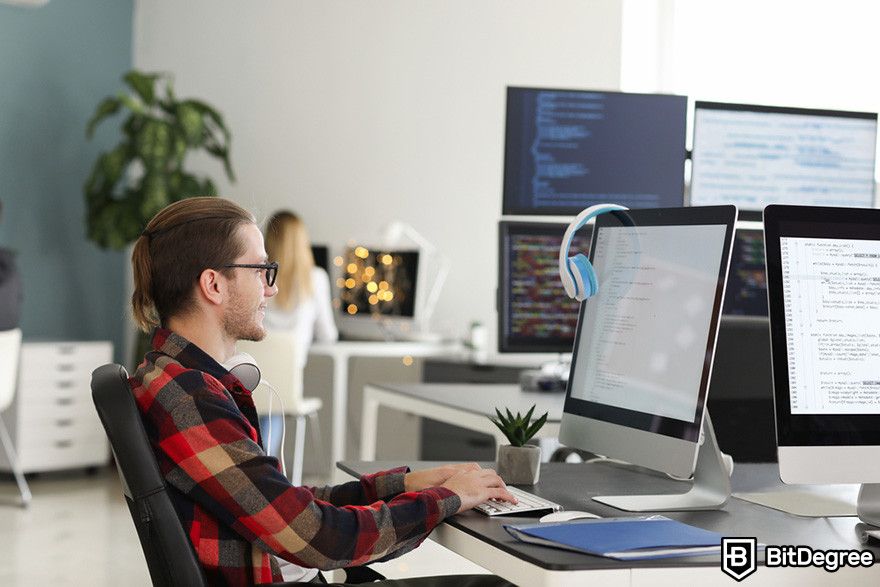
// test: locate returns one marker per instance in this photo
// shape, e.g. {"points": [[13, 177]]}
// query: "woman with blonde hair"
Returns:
{"points": [[303, 303]]}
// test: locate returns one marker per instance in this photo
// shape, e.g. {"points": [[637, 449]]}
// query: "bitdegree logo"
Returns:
{"points": [[804, 556], [739, 557]]}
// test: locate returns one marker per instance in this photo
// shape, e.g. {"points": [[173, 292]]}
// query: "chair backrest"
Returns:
{"points": [[277, 356], [167, 549], [10, 349]]}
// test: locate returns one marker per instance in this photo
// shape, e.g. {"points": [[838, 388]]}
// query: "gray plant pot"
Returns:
{"points": [[519, 465]]}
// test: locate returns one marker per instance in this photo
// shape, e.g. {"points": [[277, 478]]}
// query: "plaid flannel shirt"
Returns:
{"points": [[239, 511]]}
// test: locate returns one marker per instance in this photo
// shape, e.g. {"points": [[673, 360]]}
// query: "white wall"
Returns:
{"points": [[354, 113]]}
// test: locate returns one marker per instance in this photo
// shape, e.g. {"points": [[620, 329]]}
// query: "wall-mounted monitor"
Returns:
{"points": [[569, 149], [753, 156]]}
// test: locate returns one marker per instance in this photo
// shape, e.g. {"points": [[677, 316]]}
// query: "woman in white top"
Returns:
{"points": [[303, 303]]}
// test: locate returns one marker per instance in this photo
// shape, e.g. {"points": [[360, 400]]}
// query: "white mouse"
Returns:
{"points": [[566, 516]]}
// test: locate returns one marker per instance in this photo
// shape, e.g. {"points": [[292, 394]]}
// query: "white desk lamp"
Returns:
{"points": [[393, 236]]}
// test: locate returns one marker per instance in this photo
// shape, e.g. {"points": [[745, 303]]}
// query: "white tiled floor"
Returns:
{"points": [[77, 531]]}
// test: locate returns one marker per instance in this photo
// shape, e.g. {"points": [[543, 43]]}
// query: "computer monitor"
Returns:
{"points": [[746, 292], [823, 269], [752, 156], [644, 347], [321, 255], [377, 293], [566, 150], [534, 313]]}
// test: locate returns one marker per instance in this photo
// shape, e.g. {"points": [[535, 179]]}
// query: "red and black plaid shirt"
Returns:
{"points": [[239, 511]]}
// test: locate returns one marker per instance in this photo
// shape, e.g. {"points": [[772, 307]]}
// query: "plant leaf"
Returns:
{"points": [[190, 121], [223, 154], [143, 85], [107, 107], [528, 417], [131, 103], [212, 115], [534, 428]]}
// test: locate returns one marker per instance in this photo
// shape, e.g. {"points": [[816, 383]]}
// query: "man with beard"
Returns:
{"points": [[202, 281]]}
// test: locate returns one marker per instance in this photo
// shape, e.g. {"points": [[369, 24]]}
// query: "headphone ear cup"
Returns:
{"points": [[584, 275]]}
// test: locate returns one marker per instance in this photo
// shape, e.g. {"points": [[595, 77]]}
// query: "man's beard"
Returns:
{"points": [[240, 321]]}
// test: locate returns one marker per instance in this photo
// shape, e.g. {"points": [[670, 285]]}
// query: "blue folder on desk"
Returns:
{"points": [[622, 538]]}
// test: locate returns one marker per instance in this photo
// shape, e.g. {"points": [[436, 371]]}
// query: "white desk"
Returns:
{"points": [[461, 404], [342, 351]]}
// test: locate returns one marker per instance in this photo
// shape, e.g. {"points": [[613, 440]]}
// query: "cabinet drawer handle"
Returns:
{"points": [[64, 423], [64, 401], [67, 349], [66, 367], [65, 384], [63, 443]]}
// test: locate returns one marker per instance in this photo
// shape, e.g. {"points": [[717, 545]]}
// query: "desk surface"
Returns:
{"points": [[738, 518], [481, 399]]}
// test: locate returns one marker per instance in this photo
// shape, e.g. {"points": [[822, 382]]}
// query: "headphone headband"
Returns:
{"points": [[565, 273]]}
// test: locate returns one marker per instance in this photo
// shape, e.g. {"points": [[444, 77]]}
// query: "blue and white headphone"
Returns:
{"points": [[577, 273]]}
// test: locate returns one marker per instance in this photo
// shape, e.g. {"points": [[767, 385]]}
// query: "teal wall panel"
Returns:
{"points": [[56, 63]]}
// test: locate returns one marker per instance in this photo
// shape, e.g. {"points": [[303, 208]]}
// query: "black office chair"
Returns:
{"points": [[169, 553], [167, 549]]}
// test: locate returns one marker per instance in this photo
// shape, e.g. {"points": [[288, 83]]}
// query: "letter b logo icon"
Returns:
{"points": [[738, 557]]}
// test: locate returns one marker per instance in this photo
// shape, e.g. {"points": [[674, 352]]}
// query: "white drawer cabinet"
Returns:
{"points": [[53, 422]]}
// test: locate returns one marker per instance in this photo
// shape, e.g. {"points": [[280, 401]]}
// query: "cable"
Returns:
{"points": [[271, 424]]}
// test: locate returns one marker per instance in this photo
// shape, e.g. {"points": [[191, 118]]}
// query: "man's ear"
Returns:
{"points": [[213, 286]]}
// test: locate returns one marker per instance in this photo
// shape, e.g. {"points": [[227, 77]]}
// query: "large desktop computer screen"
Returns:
{"points": [[823, 267], [752, 156], [534, 313], [566, 150], [644, 344]]}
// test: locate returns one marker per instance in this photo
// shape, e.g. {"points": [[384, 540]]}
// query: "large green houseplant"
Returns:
{"points": [[145, 171]]}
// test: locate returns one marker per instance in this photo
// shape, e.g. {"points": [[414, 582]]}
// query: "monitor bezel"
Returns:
{"points": [[505, 228], [817, 222], [508, 210], [648, 423], [753, 214]]}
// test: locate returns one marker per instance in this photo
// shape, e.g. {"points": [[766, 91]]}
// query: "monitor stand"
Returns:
{"points": [[868, 506], [710, 489]]}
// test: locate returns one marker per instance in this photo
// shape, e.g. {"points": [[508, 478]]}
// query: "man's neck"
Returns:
{"points": [[202, 332]]}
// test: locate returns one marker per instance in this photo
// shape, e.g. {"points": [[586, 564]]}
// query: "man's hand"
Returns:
{"points": [[418, 480], [478, 486]]}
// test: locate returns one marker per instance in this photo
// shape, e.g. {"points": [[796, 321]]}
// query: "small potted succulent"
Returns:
{"points": [[519, 463]]}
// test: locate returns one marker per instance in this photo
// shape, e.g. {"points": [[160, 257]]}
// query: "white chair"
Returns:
{"points": [[10, 349], [277, 357]]}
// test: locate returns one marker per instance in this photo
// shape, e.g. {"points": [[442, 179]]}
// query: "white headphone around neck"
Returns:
{"points": [[577, 273]]}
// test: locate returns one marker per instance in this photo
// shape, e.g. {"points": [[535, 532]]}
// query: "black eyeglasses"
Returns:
{"points": [[271, 270]]}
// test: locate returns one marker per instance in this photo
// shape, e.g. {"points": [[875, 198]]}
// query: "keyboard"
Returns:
{"points": [[527, 502]]}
